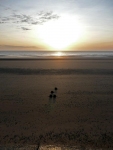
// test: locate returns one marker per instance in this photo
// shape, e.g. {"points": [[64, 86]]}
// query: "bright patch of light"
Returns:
{"points": [[60, 33], [58, 54]]}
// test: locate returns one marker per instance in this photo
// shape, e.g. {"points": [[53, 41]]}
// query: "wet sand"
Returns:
{"points": [[81, 114]]}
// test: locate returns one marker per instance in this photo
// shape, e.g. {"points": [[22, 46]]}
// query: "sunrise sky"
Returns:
{"points": [[56, 25]]}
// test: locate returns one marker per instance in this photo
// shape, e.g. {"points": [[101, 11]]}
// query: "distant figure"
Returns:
{"points": [[52, 92], [56, 88], [50, 96], [54, 96]]}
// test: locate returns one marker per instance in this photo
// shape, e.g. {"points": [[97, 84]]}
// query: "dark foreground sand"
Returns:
{"points": [[81, 115]]}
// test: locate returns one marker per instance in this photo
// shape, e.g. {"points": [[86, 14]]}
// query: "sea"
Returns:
{"points": [[54, 54]]}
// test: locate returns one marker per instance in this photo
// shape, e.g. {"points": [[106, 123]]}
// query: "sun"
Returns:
{"points": [[61, 33]]}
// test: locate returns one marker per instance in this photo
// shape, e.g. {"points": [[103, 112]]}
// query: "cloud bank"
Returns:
{"points": [[24, 19]]}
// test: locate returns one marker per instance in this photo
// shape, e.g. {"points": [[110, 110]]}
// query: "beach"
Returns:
{"points": [[80, 115]]}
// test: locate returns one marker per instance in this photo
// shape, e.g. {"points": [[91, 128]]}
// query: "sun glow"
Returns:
{"points": [[61, 33], [58, 54]]}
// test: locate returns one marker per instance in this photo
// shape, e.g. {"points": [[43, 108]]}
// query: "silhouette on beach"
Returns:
{"points": [[54, 96], [50, 96], [56, 88], [52, 92], [52, 99]]}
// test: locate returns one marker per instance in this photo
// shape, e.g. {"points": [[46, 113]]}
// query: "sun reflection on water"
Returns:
{"points": [[58, 54]]}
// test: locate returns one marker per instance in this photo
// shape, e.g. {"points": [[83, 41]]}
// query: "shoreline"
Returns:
{"points": [[27, 71], [36, 59], [59, 58]]}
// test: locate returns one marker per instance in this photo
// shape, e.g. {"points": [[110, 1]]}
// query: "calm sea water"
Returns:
{"points": [[54, 54]]}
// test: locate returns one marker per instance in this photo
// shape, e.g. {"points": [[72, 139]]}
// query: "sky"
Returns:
{"points": [[56, 25]]}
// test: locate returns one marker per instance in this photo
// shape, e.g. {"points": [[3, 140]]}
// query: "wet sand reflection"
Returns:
{"points": [[51, 104]]}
